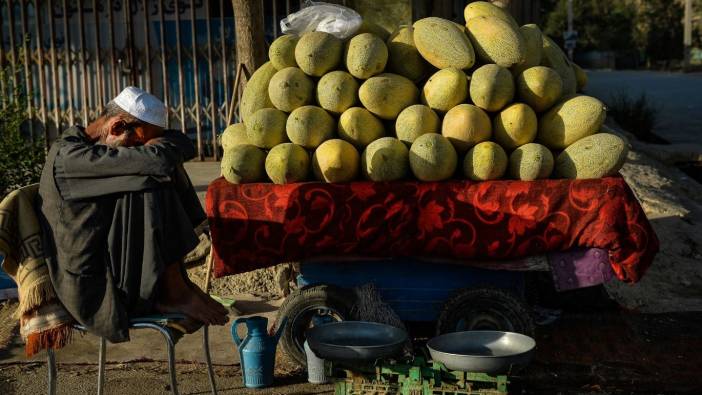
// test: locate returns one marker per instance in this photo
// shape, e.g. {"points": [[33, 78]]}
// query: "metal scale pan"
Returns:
{"points": [[357, 341], [492, 352]]}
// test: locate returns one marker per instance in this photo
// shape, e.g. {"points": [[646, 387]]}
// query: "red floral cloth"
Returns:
{"points": [[259, 225]]}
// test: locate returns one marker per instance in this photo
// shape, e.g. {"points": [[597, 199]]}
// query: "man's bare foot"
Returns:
{"points": [[206, 297], [177, 296]]}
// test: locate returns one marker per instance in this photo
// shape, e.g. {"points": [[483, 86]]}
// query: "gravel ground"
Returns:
{"points": [[139, 378]]}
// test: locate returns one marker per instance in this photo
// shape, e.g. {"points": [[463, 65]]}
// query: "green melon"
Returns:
{"points": [[243, 163], [530, 162], [233, 135], [466, 125], [445, 89], [404, 58], [570, 120], [317, 53], [337, 91], [552, 56], [533, 39], [580, 77], [335, 161], [365, 56], [287, 163], [282, 51], [255, 95], [266, 128], [387, 94], [359, 127], [373, 28], [385, 159], [415, 121], [310, 126], [443, 44], [596, 156], [491, 87], [290, 88], [485, 161], [432, 158]]}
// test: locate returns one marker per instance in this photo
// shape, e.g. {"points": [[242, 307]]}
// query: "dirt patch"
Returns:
{"points": [[671, 201], [8, 322], [263, 283]]}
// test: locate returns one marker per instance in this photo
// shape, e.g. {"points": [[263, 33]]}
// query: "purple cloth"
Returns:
{"points": [[580, 268]]}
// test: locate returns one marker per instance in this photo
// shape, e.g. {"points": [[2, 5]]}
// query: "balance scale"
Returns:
{"points": [[361, 358]]}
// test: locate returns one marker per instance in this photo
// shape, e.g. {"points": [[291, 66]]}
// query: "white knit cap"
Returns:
{"points": [[142, 105]]}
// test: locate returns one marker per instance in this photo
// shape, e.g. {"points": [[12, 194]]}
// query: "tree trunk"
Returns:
{"points": [[250, 41]]}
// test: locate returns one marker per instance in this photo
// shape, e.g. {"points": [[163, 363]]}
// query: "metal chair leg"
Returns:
{"points": [[51, 368], [101, 366], [171, 351], [208, 359]]}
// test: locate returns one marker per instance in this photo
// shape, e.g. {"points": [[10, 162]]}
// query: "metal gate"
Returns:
{"points": [[73, 56]]}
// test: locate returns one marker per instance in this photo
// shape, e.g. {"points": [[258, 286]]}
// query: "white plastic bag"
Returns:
{"points": [[334, 19]]}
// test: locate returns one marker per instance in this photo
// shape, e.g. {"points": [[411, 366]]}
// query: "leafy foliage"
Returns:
{"points": [[654, 28], [21, 158], [601, 25], [660, 29]]}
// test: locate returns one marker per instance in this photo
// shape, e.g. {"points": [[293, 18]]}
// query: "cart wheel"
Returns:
{"points": [[485, 309], [330, 302]]}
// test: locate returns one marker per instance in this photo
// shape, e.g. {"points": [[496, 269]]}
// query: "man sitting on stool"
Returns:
{"points": [[118, 214]]}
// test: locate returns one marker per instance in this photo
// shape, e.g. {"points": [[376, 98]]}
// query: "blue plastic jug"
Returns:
{"points": [[257, 350]]}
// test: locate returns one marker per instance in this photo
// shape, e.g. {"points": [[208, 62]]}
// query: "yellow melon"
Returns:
{"points": [[266, 128], [485, 161], [387, 94], [317, 53], [385, 159], [540, 87], [310, 126], [243, 163], [570, 120], [514, 126], [359, 127], [404, 58], [445, 89], [432, 158], [530, 162], [287, 163], [491, 87], [290, 88], [443, 44], [255, 95], [336, 161], [365, 56], [337, 91], [233, 135], [596, 156], [282, 51], [466, 125], [496, 41], [415, 121]]}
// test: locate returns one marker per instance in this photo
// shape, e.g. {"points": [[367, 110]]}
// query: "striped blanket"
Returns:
{"points": [[44, 323]]}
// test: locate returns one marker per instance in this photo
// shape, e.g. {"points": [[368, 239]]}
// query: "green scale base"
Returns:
{"points": [[417, 378]]}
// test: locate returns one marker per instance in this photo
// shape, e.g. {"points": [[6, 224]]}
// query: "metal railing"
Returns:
{"points": [[72, 56]]}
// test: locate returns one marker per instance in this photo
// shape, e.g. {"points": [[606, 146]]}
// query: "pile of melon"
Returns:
{"points": [[432, 101]]}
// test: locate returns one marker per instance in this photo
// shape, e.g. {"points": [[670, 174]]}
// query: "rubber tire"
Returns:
{"points": [[329, 296], [507, 311]]}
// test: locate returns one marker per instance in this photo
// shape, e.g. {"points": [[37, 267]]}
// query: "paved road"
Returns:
{"points": [[677, 95]]}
